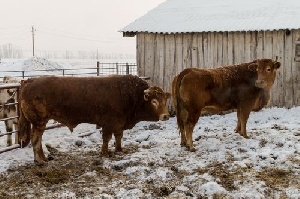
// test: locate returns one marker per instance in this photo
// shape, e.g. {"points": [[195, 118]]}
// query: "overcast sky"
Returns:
{"points": [[71, 24]]}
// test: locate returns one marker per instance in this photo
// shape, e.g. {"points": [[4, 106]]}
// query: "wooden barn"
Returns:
{"points": [[178, 34]]}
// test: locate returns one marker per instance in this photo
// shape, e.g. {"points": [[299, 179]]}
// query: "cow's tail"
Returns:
{"points": [[178, 102], [24, 130]]}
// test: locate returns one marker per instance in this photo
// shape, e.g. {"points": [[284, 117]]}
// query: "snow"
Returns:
{"points": [[273, 143], [188, 16]]}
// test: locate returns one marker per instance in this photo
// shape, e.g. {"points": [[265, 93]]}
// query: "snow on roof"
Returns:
{"points": [[182, 16]]}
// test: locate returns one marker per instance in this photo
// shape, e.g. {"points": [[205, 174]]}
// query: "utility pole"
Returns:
{"points": [[32, 30]]}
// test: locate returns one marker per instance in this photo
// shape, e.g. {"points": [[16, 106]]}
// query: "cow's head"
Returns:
{"points": [[266, 72], [156, 98]]}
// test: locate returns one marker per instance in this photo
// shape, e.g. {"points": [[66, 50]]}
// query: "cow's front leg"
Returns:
{"points": [[36, 141], [106, 136], [183, 136], [181, 117], [244, 115], [189, 136], [118, 137], [238, 125]]}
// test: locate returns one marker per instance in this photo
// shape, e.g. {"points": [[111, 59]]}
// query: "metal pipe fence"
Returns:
{"points": [[99, 70]]}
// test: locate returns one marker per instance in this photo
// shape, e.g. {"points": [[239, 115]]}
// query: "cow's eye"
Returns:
{"points": [[268, 69]]}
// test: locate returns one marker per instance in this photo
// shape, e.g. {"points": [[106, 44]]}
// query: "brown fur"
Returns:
{"points": [[114, 103], [244, 88]]}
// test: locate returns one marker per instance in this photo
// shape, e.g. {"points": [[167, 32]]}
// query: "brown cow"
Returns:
{"points": [[114, 103], [245, 87]]}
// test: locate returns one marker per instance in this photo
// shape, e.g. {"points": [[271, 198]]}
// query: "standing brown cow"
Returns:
{"points": [[114, 103], [245, 87]]}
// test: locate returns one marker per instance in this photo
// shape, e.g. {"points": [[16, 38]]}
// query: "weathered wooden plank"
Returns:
{"points": [[296, 69], [237, 48], [241, 49], [230, 48], [269, 54], [253, 45], [178, 53], [194, 50], [281, 72], [200, 45], [149, 55], [187, 44], [140, 39], [159, 60], [170, 61], [275, 89], [205, 49], [219, 48], [212, 51], [268, 45], [215, 49], [260, 44], [288, 59], [247, 46], [225, 49]]}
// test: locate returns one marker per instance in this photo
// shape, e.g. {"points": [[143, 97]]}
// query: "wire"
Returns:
{"points": [[72, 34]]}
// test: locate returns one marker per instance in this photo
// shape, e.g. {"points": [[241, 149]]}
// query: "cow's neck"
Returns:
{"points": [[143, 112]]}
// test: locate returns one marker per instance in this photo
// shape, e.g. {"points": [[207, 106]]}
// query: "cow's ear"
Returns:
{"points": [[146, 94], [277, 65], [253, 66]]}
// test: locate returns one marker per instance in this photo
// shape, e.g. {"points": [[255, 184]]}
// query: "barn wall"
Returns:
{"points": [[162, 56]]}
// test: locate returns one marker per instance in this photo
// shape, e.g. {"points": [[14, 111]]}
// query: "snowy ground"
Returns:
{"points": [[154, 165]]}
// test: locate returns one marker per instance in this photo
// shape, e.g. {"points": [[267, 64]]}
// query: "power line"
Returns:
{"points": [[72, 34]]}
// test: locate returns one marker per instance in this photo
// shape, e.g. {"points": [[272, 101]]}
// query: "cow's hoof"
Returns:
{"points": [[50, 157], [40, 163], [183, 145], [246, 136], [105, 155], [191, 149]]}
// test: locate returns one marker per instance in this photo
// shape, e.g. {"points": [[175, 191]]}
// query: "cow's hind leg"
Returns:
{"points": [[36, 141], [106, 136], [189, 126], [180, 122]]}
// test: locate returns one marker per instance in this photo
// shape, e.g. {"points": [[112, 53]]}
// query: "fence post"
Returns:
{"points": [[23, 74], [98, 68], [63, 72], [117, 68], [127, 69]]}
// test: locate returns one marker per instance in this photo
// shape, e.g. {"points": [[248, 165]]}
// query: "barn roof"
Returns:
{"points": [[186, 16]]}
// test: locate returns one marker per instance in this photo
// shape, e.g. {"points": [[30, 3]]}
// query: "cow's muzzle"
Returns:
{"points": [[260, 83], [164, 117]]}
